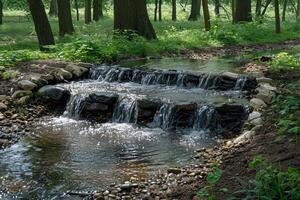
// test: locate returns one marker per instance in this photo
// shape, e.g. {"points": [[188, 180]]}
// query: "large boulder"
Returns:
{"points": [[146, 110], [63, 74], [257, 104], [27, 85], [76, 70], [55, 94], [184, 114]]}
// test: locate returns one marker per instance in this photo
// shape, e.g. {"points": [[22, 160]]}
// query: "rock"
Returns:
{"points": [[255, 118], [146, 110], [23, 100], [3, 98], [56, 94], [109, 99], [64, 74], [77, 71], [174, 170], [48, 77], [257, 104], [3, 107], [264, 80], [266, 96], [231, 75], [27, 85], [38, 80], [244, 137], [21, 93], [256, 128], [2, 116], [267, 86]]}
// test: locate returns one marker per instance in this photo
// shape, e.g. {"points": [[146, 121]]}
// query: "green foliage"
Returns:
{"points": [[212, 179], [285, 61], [270, 183], [288, 107]]}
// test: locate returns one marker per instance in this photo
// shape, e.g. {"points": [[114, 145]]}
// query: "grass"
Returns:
{"points": [[94, 42]]}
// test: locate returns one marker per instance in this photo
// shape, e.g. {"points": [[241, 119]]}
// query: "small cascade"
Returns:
{"points": [[75, 106], [125, 111], [149, 79], [207, 81], [240, 83], [164, 117], [112, 75], [205, 118]]}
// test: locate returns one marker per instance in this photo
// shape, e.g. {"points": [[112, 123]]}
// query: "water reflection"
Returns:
{"points": [[63, 154]]}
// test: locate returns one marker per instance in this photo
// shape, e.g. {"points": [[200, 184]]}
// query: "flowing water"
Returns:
{"points": [[70, 153]]}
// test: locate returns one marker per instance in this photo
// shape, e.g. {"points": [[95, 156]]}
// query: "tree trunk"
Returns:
{"points": [[174, 10], [1, 12], [41, 23], [266, 7], [155, 10], [65, 17], [53, 8], [277, 16], [233, 10], [298, 9], [217, 8], [159, 10], [195, 10], [284, 10], [77, 9], [258, 8], [97, 10], [133, 15], [243, 11], [206, 15], [88, 11]]}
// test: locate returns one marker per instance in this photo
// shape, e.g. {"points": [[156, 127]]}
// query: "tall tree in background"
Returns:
{"points": [[53, 8], [64, 17], [77, 9], [217, 7], [155, 10], [88, 11], [159, 10], [133, 15], [277, 16], [284, 9], [298, 9], [1, 12], [174, 17], [41, 23], [206, 15], [97, 10], [195, 10], [233, 10], [243, 11], [258, 8]]}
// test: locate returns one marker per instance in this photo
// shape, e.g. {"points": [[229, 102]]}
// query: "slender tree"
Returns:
{"points": [[233, 2], [284, 10], [88, 11], [243, 11], [97, 10], [53, 8], [174, 17], [155, 10], [217, 8], [258, 8], [1, 12], [277, 16], [133, 15], [159, 10], [77, 9], [298, 9], [64, 17], [266, 7], [41, 23], [195, 10], [206, 15]]}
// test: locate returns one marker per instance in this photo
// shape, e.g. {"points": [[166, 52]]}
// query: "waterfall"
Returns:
{"points": [[205, 118], [164, 117], [148, 79], [75, 106], [240, 83], [112, 75], [125, 111]]}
